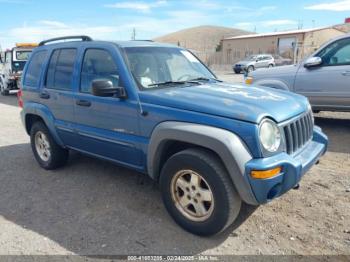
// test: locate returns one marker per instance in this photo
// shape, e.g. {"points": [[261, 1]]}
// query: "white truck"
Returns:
{"points": [[12, 62]]}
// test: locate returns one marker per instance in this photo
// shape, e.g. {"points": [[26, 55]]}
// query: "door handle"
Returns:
{"points": [[44, 95], [83, 103], [346, 73]]}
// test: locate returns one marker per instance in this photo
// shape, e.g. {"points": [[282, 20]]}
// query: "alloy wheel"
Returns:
{"points": [[192, 195]]}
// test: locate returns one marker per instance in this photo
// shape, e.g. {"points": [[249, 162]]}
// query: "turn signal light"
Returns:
{"points": [[249, 80], [257, 174]]}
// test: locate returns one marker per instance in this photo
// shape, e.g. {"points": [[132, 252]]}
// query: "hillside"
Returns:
{"points": [[343, 27], [202, 38]]}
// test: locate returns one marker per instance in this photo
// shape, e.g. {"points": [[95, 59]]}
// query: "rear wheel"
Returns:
{"points": [[198, 193], [270, 65], [46, 151]]}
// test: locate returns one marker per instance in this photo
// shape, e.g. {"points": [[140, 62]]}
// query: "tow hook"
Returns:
{"points": [[296, 187]]}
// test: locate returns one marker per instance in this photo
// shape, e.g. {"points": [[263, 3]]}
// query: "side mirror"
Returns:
{"points": [[105, 88], [313, 62]]}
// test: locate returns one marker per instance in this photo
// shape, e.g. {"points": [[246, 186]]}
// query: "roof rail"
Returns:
{"points": [[82, 37], [143, 40]]}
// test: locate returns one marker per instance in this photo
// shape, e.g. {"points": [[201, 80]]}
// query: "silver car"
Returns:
{"points": [[253, 62], [324, 77]]}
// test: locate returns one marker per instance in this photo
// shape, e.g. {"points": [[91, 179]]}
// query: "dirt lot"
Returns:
{"points": [[93, 207]]}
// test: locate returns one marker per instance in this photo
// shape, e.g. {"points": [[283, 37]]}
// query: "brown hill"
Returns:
{"points": [[201, 38], [343, 27]]}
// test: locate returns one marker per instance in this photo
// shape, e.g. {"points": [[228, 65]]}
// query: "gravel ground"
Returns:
{"points": [[92, 207]]}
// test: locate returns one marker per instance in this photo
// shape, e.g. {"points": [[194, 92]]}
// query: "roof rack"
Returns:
{"points": [[82, 37]]}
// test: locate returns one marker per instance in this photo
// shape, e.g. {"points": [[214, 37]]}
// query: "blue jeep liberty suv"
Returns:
{"points": [[216, 149]]}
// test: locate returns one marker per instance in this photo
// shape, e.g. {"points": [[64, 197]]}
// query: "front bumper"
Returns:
{"points": [[239, 68], [294, 168]]}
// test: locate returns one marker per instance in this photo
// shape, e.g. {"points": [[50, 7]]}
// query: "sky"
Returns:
{"points": [[35, 20]]}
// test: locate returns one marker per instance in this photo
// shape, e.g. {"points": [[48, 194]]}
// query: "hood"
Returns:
{"points": [[234, 101], [274, 71]]}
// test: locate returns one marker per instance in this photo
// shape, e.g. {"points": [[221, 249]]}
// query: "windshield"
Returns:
{"points": [[251, 58], [23, 55], [153, 65]]}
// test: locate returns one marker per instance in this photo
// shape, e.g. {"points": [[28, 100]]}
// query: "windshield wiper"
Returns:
{"points": [[203, 79], [167, 83]]}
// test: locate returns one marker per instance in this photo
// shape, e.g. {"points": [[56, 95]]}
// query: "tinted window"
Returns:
{"points": [[337, 53], [98, 64], [61, 67], [34, 69]]}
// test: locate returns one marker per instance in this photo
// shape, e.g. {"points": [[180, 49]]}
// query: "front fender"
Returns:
{"points": [[43, 112], [230, 148], [273, 83]]}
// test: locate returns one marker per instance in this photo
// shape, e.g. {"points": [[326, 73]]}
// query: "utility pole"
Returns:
{"points": [[133, 36]]}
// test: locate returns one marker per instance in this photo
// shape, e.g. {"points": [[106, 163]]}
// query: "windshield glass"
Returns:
{"points": [[251, 58], [23, 55], [153, 65]]}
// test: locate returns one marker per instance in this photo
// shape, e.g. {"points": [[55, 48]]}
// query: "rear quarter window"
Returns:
{"points": [[32, 76]]}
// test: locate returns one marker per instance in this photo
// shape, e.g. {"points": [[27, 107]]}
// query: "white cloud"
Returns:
{"points": [[335, 6], [52, 23], [49, 29], [138, 6]]}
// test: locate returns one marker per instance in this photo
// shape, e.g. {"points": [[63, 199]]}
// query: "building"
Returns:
{"points": [[289, 44]]}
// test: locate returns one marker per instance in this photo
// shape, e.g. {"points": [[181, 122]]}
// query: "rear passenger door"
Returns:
{"points": [[57, 92], [106, 126]]}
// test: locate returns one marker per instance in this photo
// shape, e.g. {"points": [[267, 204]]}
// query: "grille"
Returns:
{"points": [[298, 132]]}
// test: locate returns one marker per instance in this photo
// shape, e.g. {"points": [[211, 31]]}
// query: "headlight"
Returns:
{"points": [[270, 136]]}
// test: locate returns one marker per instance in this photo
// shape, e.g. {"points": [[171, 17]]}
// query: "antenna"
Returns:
{"points": [[133, 36]]}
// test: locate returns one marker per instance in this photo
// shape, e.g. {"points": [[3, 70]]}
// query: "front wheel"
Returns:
{"points": [[46, 151], [271, 65], [198, 193], [250, 69], [2, 89]]}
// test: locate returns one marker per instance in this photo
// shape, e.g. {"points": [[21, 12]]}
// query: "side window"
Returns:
{"points": [[337, 53], [32, 76], [60, 71], [8, 57], [98, 64]]}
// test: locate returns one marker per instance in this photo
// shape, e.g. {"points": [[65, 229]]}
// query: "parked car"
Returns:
{"points": [[253, 62], [215, 148], [323, 77], [12, 63], [281, 61]]}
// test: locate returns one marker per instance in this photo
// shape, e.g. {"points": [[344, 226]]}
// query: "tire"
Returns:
{"points": [[270, 66], [250, 69], [225, 206], [237, 72], [51, 156], [2, 90]]}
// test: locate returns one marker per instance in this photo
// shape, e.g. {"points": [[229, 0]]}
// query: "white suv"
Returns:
{"points": [[253, 62]]}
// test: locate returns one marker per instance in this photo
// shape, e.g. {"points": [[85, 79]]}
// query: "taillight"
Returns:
{"points": [[20, 98]]}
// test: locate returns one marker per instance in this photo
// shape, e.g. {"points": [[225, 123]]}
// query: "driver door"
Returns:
{"points": [[327, 85]]}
